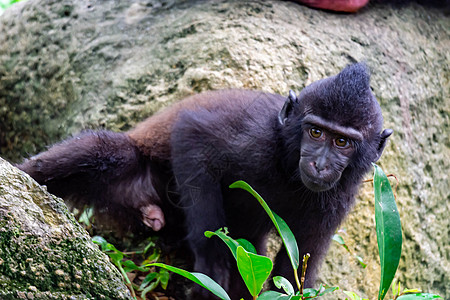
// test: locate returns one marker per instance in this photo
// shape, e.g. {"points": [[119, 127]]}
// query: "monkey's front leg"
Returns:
{"points": [[201, 198], [202, 203]]}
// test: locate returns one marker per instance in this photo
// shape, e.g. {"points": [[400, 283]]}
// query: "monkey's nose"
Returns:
{"points": [[320, 166]]}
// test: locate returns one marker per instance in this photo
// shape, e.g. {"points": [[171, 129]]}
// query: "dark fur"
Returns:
{"points": [[207, 142], [104, 169]]}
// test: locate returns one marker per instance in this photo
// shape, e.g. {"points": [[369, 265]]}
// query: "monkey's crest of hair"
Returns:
{"points": [[346, 99]]}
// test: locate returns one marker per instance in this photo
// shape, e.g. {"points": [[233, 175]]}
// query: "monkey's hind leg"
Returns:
{"points": [[103, 169]]}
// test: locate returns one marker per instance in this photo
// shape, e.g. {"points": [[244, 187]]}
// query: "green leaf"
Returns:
{"points": [[339, 239], [164, 278], [419, 296], [283, 229], [100, 241], [327, 290], [361, 261], [129, 266], [152, 257], [222, 234], [310, 293], [116, 257], [86, 216], [272, 295], [149, 278], [254, 269], [246, 245], [389, 230], [352, 295], [151, 287], [104, 244], [150, 244], [199, 278], [281, 282], [409, 291], [396, 288]]}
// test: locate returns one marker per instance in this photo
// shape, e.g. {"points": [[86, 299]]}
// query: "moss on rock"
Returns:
{"points": [[44, 253]]}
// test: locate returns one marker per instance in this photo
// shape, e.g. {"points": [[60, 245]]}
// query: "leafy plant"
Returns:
{"points": [[389, 230], [410, 294], [199, 278], [291, 247], [283, 229], [126, 266], [389, 239], [255, 269], [86, 216]]}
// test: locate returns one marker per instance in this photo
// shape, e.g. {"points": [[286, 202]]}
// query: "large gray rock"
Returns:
{"points": [[44, 252], [68, 65]]}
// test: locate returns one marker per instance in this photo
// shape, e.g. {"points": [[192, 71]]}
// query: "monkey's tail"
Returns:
{"points": [[102, 169]]}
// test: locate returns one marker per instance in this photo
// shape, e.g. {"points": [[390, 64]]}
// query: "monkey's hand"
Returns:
{"points": [[153, 217]]}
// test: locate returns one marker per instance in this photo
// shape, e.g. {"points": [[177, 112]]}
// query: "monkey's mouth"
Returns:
{"points": [[316, 184]]}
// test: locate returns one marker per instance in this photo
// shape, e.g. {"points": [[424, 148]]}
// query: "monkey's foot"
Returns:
{"points": [[153, 217]]}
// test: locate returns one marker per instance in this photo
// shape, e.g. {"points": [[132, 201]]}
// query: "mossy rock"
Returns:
{"points": [[44, 253]]}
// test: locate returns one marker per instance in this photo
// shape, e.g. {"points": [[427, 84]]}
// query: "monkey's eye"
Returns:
{"points": [[315, 132], [342, 142]]}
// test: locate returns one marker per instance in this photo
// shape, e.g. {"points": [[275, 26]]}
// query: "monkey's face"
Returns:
{"points": [[326, 150], [339, 122]]}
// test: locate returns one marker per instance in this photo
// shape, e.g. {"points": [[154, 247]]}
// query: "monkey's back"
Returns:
{"points": [[153, 135]]}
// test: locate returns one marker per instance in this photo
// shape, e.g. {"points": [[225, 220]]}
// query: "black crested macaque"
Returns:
{"points": [[305, 155]]}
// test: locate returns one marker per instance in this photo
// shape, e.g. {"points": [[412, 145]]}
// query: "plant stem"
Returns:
{"points": [[396, 186], [297, 281], [127, 280], [305, 264], [254, 297]]}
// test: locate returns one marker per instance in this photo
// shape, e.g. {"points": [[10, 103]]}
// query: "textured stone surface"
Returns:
{"points": [[67, 65], [44, 253]]}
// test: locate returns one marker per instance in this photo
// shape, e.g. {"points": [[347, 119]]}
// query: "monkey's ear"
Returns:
{"points": [[287, 107], [383, 140]]}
